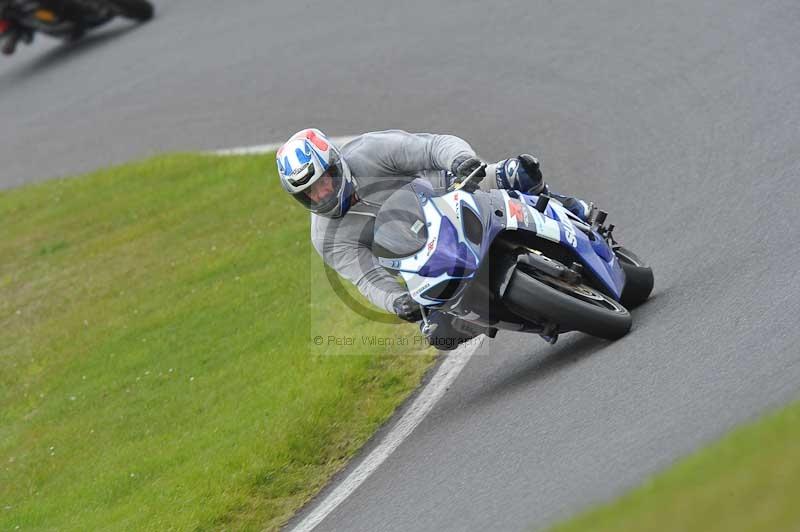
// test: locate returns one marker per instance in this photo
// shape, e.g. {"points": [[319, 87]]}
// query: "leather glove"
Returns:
{"points": [[463, 166], [530, 165], [406, 308]]}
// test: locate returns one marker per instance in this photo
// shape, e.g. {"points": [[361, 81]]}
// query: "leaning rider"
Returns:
{"points": [[344, 188]]}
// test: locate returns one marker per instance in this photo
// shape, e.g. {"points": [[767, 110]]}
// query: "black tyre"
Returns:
{"points": [[139, 10], [638, 278], [571, 307]]}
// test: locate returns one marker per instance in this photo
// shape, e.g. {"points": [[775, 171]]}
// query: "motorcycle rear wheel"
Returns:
{"points": [[139, 10], [573, 307]]}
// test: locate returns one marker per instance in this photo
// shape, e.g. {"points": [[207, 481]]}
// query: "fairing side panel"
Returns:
{"points": [[520, 214], [498, 211]]}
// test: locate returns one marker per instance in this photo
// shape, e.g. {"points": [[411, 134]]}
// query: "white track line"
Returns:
{"points": [[266, 148], [424, 403]]}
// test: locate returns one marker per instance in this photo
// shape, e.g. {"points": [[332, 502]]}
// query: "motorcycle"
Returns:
{"points": [[506, 260], [63, 19]]}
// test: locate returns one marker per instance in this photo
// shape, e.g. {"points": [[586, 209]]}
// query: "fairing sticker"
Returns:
{"points": [[520, 213]]}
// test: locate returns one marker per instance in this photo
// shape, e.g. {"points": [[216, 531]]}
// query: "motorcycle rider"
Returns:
{"points": [[344, 188]]}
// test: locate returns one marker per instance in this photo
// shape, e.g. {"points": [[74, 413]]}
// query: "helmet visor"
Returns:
{"points": [[322, 196]]}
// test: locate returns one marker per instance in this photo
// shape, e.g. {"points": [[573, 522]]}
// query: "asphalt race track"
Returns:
{"points": [[681, 119]]}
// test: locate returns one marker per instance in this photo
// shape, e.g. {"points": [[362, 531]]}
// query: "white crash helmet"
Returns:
{"points": [[312, 170]]}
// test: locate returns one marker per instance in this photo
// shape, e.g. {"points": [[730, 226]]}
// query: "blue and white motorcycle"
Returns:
{"points": [[506, 260]]}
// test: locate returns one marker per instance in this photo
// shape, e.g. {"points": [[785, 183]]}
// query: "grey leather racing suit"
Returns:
{"points": [[381, 162]]}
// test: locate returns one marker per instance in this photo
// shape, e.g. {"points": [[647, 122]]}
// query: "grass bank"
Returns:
{"points": [[749, 480], [156, 371]]}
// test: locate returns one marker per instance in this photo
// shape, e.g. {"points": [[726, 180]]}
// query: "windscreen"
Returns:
{"points": [[400, 228]]}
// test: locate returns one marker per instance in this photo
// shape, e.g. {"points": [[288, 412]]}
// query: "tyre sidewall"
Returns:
{"points": [[530, 298]]}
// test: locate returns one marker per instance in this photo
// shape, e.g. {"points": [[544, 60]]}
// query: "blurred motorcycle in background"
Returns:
{"points": [[63, 19]]}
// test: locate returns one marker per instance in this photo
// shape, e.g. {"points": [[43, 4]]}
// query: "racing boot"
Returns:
{"points": [[576, 206]]}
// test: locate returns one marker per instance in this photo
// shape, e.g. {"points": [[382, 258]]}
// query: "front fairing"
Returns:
{"points": [[461, 228], [452, 253]]}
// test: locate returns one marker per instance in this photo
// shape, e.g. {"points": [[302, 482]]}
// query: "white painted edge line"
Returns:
{"points": [[422, 405], [266, 148]]}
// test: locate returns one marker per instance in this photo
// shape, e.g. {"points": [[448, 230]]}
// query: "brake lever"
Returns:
{"points": [[470, 177]]}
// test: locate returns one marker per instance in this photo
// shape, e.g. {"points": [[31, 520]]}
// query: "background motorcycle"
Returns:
{"points": [[64, 19], [506, 260]]}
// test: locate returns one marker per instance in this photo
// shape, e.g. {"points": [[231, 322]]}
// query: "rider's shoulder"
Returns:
{"points": [[372, 138]]}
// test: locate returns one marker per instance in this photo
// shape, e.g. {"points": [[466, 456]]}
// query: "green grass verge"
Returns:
{"points": [[749, 480], [155, 366]]}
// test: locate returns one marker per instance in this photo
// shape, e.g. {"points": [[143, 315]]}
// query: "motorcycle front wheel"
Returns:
{"points": [[573, 307]]}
